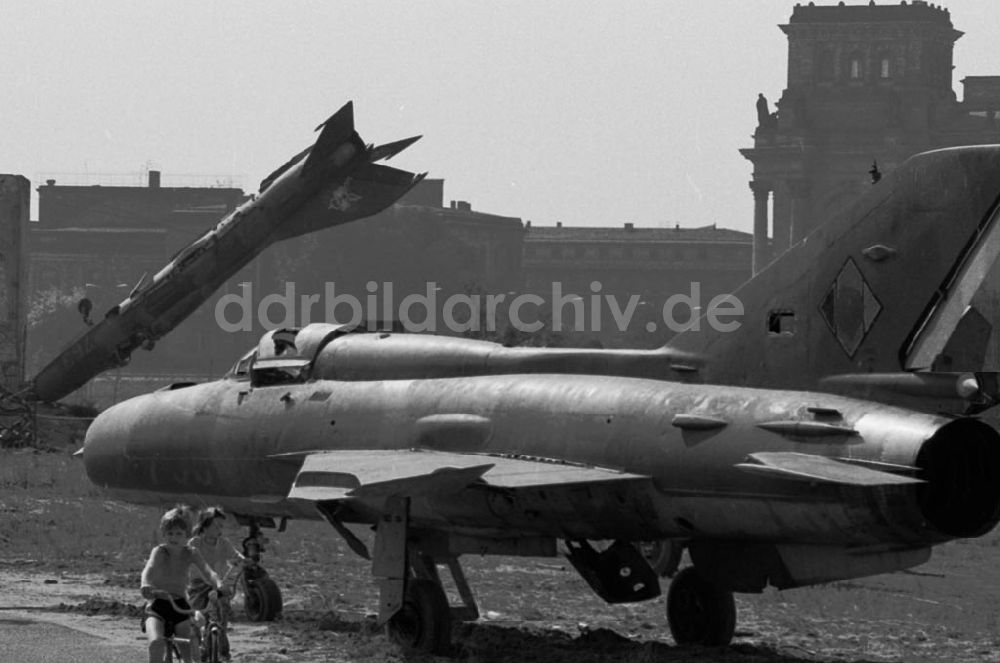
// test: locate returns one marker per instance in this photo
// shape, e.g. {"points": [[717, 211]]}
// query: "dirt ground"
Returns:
{"points": [[69, 554]]}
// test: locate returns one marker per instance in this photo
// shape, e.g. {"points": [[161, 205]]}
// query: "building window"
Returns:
{"points": [[591, 253], [884, 69], [855, 67]]}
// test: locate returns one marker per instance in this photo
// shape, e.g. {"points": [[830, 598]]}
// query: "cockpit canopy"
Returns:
{"points": [[283, 356]]}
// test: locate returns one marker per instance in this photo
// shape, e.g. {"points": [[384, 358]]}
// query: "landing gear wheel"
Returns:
{"points": [[423, 623], [699, 612], [262, 601]]}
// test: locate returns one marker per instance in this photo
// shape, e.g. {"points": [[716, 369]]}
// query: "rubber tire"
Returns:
{"points": [[262, 600], [699, 612], [423, 623]]}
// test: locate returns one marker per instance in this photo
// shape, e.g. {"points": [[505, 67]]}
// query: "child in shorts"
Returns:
{"points": [[164, 579]]}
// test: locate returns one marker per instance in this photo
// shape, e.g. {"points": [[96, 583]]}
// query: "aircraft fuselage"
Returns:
{"points": [[231, 444]]}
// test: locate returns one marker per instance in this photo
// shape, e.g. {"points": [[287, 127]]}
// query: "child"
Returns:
{"points": [[217, 551], [163, 580]]}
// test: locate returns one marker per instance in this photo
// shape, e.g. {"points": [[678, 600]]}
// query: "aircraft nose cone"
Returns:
{"points": [[104, 447]]}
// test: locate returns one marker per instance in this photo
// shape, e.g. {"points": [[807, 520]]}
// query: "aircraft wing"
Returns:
{"points": [[332, 475]]}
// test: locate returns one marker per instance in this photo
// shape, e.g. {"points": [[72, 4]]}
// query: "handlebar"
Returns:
{"points": [[213, 596]]}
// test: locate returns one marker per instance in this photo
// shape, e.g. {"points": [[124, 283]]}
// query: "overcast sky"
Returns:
{"points": [[588, 113]]}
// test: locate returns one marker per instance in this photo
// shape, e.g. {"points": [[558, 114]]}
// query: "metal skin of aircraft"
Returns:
{"points": [[873, 304], [879, 302], [446, 451], [334, 181]]}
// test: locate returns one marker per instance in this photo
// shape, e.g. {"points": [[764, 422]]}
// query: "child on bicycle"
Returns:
{"points": [[163, 583], [219, 553]]}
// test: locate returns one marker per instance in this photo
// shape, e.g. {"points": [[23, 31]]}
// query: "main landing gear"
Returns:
{"points": [[412, 603], [417, 615], [423, 621], [699, 611]]}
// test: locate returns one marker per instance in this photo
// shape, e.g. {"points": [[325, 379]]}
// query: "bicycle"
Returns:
{"points": [[214, 614], [202, 621], [174, 647], [214, 630]]}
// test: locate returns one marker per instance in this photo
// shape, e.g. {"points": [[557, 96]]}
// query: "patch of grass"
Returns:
{"points": [[44, 473], [52, 514]]}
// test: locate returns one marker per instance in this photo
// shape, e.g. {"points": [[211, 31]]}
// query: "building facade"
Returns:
{"points": [[647, 265], [96, 243], [868, 86], [15, 198]]}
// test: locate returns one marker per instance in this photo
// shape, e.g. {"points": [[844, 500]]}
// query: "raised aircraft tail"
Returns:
{"points": [[368, 190], [332, 182], [888, 287], [352, 185]]}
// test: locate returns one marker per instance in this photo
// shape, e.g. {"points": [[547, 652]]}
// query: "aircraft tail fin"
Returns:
{"points": [[882, 287], [337, 139], [338, 142], [389, 150]]}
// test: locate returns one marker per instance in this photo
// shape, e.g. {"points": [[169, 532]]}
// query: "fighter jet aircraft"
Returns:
{"points": [[445, 452], [332, 182]]}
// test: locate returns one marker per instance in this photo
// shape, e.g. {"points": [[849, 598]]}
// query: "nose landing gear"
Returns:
{"points": [[262, 600]]}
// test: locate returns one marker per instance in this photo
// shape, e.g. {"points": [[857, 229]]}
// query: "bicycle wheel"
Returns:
{"points": [[173, 652], [213, 645]]}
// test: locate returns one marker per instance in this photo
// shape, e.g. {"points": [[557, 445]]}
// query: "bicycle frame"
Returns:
{"points": [[173, 643], [212, 631]]}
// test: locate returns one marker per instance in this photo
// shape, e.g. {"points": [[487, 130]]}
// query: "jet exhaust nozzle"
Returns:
{"points": [[960, 464]]}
